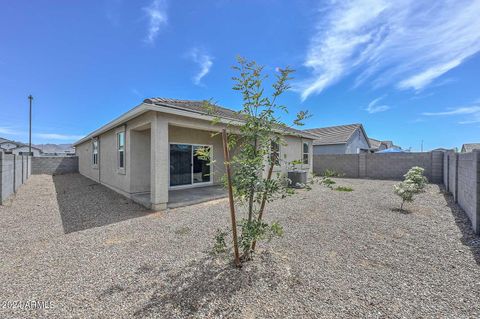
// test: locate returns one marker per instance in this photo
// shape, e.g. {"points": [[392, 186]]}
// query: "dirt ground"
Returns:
{"points": [[87, 252]]}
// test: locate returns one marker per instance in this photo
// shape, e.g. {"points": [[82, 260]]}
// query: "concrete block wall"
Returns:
{"points": [[445, 170], [463, 181], [347, 164], [54, 165], [468, 190], [452, 173], [381, 166], [14, 171]]}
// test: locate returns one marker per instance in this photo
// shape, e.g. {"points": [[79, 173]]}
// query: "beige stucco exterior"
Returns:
{"points": [[147, 153]]}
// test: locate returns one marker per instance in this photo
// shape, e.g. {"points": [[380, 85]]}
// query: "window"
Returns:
{"points": [[95, 152], [121, 149], [275, 154], [305, 153]]}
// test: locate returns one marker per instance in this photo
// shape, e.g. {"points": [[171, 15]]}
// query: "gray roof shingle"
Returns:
{"points": [[374, 143], [197, 106], [469, 147], [334, 134]]}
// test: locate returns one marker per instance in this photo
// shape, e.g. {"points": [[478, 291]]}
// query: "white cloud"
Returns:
{"points": [[157, 16], [204, 61], [406, 43], [472, 112], [9, 131], [373, 106], [62, 137]]}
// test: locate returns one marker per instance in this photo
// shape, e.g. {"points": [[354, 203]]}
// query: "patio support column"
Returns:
{"points": [[159, 163]]}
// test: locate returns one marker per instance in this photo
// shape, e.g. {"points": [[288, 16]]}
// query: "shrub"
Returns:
{"points": [[413, 184], [343, 189], [328, 182], [330, 173]]}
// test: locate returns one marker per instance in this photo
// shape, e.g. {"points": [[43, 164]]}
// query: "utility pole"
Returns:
{"points": [[422, 146], [30, 97]]}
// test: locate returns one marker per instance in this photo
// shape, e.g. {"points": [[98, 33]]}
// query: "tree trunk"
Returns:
{"points": [[230, 198], [264, 200], [252, 189]]}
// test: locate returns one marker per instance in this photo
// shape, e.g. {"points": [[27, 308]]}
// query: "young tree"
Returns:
{"points": [[258, 137], [413, 184]]}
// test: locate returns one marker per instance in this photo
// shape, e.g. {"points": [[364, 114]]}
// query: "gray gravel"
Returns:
{"points": [[94, 254]]}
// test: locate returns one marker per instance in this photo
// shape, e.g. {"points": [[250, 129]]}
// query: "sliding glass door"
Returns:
{"points": [[186, 167]]}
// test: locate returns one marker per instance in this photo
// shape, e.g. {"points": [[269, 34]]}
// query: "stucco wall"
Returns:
{"points": [[85, 167], [35, 151], [107, 171], [356, 142], [291, 150], [329, 149], [140, 154], [147, 153]]}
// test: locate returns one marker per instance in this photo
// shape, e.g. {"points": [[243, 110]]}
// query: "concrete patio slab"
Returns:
{"points": [[185, 196]]}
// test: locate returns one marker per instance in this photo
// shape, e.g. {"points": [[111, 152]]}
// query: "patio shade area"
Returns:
{"points": [[186, 196]]}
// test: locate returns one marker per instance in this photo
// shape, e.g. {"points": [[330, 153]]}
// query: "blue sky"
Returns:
{"points": [[407, 70]]}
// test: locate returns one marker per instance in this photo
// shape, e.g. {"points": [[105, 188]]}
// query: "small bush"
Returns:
{"points": [[344, 189], [328, 182], [330, 173], [413, 184]]}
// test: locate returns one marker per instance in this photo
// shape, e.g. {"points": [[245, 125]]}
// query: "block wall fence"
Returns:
{"points": [[462, 180], [458, 172], [14, 171], [381, 166], [54, 165]]}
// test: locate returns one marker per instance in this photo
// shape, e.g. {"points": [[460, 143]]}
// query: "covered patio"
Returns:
{"points": [[185, 196]]}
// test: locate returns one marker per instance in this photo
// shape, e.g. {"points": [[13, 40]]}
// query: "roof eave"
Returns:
{"points": [[169, 109]]}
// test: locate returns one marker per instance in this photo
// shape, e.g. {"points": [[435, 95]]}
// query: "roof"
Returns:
{"points": [[375, 143], [468, 147], [19, 144], [335, 134], [168, 105], [215, 110]]}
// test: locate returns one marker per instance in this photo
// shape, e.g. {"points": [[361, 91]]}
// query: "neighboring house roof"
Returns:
{"points": [[18, 144], [468, 147], [190, 108], [376, 143], [336, 134]]}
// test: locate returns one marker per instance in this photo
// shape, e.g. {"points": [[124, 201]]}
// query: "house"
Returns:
{"points": [[342, 139], [150, 151], [57, 150], [469, 147], [17, 148], [377, 145]]}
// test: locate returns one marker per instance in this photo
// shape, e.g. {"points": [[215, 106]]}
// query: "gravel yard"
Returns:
{"points": [[94, 254]]}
